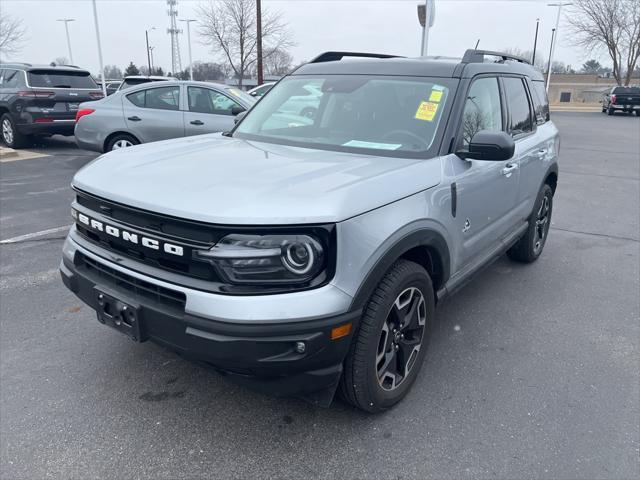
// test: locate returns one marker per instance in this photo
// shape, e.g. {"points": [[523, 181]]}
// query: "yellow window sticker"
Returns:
{"points": [[436, 96], [427, 111]]}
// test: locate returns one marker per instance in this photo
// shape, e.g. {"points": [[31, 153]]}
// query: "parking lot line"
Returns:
{"points": [[29, 236]]}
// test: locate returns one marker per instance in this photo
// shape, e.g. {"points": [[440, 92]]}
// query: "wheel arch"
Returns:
{"points": [[426, 247], [113, 134], [551, 177]]}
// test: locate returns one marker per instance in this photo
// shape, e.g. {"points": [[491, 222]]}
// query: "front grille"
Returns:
{"points": [[105, 275]]}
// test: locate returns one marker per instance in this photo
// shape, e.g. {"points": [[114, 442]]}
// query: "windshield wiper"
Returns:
{"points": [[62, 86]]}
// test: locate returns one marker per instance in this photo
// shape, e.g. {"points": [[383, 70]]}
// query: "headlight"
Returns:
{"points": [[267, 259]]}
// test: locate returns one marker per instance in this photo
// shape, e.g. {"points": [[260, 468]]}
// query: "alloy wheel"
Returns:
{"points": [[122, 144], [542, 225], [401, 338], [7, 131]]}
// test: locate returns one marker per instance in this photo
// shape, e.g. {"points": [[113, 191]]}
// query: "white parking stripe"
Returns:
{"points": [[29, 236]]}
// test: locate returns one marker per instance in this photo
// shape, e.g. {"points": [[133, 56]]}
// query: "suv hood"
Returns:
{"points": [[217, 179]]}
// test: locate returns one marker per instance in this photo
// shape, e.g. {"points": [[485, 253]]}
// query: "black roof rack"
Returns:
{"points": [[477, 56], [334, 56]]}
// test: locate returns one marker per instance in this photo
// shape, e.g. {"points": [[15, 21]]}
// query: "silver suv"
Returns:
{"points": [[303, 255]]}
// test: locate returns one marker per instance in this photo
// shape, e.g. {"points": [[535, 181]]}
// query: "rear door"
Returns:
{"points": [[59, 92], [154, 113], [208, 110]]}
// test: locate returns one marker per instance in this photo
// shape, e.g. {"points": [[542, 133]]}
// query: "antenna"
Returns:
{"points": [[174, 31], [477, 43]]}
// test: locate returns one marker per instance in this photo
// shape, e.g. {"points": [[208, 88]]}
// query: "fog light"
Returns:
{"points": [[300, 347]]}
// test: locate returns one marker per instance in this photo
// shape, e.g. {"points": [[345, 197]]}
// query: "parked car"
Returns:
{"points": [[112, 87], [307, 258], [260, 90], [158, 111], [304, 102], [135, 80], [624, 99], [41, 100]]}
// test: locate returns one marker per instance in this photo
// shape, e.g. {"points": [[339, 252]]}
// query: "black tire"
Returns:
{"points": [[611, 111], [360, 384], [10, 134], [118, 138], [530, 246]]}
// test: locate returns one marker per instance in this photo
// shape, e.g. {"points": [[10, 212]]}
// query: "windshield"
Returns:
{"points": [[61, 79], [380, 115]]}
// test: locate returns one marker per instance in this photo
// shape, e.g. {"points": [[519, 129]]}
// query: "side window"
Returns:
{"points": [[540, 101], [482, 110], [11, 79], [1, 80], [137, 98], [164, 98], [205, 100], [519, 108]]}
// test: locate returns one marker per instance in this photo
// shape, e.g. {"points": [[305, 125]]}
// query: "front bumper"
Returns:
{"points": [[260, 355]]}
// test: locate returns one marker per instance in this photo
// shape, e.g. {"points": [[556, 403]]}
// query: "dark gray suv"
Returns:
{"points": [[41, 100]]}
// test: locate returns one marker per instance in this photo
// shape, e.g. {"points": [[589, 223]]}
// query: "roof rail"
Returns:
{"points": [[477, 56], [334, 56], [22, 64]]}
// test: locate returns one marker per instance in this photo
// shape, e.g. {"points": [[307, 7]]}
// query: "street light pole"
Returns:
{"points": [[553, 43], [151, 52], [259, 41], [426, 16], [66, 28], [146, 34], [95, 20], [535, 43], [188, 21], [553, 38]]}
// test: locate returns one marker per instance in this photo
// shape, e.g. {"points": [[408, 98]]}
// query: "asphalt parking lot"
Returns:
{"points": [[533, 371]]}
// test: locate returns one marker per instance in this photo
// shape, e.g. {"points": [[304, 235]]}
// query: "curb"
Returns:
{"points": [[6, 152]]}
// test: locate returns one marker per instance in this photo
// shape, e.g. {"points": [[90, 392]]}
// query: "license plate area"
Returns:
{"points": [[122, 316], [72, 107]]}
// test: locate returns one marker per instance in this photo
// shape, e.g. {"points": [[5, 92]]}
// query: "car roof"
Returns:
{"points": [[473, 63], [148, 77], [30, 67]]}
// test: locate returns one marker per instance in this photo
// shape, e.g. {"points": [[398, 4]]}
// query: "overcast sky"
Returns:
{"points": [[388, 26]]}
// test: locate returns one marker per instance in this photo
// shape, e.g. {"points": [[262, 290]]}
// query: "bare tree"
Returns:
{"points": [[278, 62], [11, 35], [613, 25], [61, 61], [229, 28], [528, 55]]}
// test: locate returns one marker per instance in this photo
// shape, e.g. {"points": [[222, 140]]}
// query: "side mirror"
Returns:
{"points": [[239, 116], [490, 146], [237, 110]]}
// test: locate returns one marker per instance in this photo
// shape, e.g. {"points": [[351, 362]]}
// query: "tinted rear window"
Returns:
{"points": [[540, 101], [627, 90], [58, 79]]}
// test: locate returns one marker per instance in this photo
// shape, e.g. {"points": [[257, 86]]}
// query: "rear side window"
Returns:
{"points": [[519, 109], [61, 79], [163, 98], [482, 110], [12, 79], [540, 102]]}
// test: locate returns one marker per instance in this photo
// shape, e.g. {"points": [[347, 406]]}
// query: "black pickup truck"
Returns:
{"points": [[626, 99]]}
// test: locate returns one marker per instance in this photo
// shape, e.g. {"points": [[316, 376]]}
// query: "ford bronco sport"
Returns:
{"points": [[304, 256]]}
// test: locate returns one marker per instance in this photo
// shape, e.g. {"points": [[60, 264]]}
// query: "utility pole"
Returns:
{"points": [[553, 43], [188, 21], [259, 41], [151, 52], [66, 28], [95, 20], [535, 43], [553, 38], [146, 34]]}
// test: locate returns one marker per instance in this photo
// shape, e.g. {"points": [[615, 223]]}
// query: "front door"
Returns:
{"points": [[208, 111], [486, 190]]}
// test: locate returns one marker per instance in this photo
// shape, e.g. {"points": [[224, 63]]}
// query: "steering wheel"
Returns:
{"points": [[408, 134]]}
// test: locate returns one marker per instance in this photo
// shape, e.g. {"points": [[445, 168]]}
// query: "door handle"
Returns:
{"points": [[134, 118], [197, 122], [542, 152], [509, 169]]}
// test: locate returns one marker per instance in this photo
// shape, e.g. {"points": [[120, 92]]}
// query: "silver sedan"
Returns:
{"points": [[158, 111]]}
